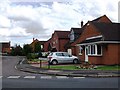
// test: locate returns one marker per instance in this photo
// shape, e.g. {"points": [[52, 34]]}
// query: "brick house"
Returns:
{"points": [[99, 43], [75, 34], [5, 47], [47, 45], [57, 41], [37, 41]]}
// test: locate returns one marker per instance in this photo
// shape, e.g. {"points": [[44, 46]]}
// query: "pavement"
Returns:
{"points": [[35, 68]]}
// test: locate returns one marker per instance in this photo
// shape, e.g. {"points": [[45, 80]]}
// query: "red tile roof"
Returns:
{"points": [[62, 34]]}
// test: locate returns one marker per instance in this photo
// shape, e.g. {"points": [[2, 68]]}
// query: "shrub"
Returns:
{"points": [[32, 56], [39, 54]]}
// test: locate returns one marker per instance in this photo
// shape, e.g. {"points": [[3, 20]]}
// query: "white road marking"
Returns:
{"points": [[15, 67], [29, 77], [22, 61], [62, 77], [78, 77], [42, 77], [1, 76], [46, 77], [13, 77]]}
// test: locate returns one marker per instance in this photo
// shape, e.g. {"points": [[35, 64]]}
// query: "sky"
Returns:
{"points": [[23, 20]]}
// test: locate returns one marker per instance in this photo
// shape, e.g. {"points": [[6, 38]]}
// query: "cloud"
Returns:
{"points": [[4, 22], [24, 21]]}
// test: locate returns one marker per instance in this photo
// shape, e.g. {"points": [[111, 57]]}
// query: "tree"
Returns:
{"points": [[27, 49], [17, 50], [37, 47]]}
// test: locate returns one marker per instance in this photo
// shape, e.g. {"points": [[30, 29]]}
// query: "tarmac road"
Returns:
{"points": [[12, 78]]}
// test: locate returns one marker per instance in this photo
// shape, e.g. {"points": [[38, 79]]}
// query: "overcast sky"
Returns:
{"points": [[23, 20]]}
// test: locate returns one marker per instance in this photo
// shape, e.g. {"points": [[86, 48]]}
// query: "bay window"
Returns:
{"points": [[94, 49]]}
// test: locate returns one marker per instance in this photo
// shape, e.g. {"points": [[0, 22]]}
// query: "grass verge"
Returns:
{"points": [[74, 67], [115, 67]]}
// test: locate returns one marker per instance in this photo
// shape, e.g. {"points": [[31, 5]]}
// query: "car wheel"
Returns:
{"points": [[54, 62], [75, 61]]}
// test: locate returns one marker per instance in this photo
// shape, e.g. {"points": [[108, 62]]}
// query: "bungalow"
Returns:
{"points": [[75, 34], [57, 41], [99, 43]]}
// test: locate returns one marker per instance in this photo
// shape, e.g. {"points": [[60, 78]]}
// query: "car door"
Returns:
{"points": [[59, 57], [67, 58]]}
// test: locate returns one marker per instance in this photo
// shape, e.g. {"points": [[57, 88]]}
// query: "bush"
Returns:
{"points": [[39, 54], [32, 56]]}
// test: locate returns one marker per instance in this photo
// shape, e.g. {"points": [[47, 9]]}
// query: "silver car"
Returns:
{"points": [[61, 57]]}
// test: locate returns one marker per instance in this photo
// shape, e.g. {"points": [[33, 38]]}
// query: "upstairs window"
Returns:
{"points": [[72, 37]]}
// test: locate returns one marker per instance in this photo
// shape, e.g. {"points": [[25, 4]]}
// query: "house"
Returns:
{"points": [[99, 43], [37, 41], [47, 45], [57, 41], [75, 34], [5, 47]]}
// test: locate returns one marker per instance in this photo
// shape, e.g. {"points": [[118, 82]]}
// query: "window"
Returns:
{"points": [[80, 48], [72, 37], [99, 50], [59, 54], [94, 50], [88, 50], [66, 54], [41, 46]]}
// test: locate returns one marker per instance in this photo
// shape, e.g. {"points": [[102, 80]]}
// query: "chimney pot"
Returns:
{"points": [[33, 39], [81, 23]]}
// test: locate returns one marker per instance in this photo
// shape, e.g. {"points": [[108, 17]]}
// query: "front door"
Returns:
{"points": [[86, 53]]}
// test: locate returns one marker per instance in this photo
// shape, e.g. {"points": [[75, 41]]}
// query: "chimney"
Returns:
{"points": [[33, 39], [81, 23]]}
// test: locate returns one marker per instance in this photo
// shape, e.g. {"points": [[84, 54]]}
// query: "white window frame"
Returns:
{"points": [[96, 53], [72, 37], [80, 50]]}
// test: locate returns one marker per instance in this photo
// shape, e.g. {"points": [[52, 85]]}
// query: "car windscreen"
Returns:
{"points": [[50, 54]]}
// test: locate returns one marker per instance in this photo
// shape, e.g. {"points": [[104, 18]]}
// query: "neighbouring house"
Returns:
{"points": [[37, 41], [57, 41], [5, 47], [48, 46], [99, 43], [75, 34]]}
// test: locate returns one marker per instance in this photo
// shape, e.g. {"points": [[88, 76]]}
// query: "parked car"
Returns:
{"points": [[61, 57]]}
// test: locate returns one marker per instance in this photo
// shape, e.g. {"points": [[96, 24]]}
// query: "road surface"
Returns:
{"points": [[12, 78]]}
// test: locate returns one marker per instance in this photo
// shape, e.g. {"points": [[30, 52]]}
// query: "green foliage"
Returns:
{"points": [[17, 50], [31, 56], [39, 54], [27, 49], [114, 67], [37, 47]]}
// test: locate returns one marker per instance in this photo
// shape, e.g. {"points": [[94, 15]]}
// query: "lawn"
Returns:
{"points": [[115, 67], [74, 67], [63, 67]]}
